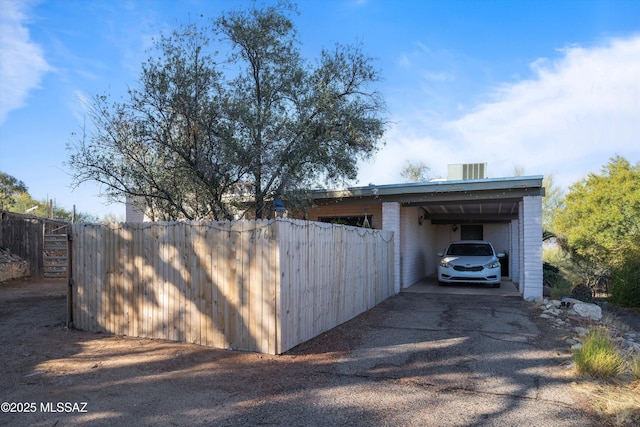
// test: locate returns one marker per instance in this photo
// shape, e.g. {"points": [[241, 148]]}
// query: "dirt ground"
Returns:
{"points": [[44, 363], [53, 376]]}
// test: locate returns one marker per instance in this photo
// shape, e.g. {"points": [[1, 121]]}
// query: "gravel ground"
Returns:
{"points": [[415, 359]]}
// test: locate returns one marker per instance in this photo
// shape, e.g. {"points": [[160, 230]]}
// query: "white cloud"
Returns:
{"points": [[569, 119], [22, 62]]}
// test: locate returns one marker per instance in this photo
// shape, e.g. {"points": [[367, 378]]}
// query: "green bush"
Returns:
{"points": [[553, 277], [599, 357], [625, 283], [582, 293]]}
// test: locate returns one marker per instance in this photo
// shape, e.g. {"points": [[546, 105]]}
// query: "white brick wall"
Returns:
{"points": [[132, 212], [514, 251], [391, 222], [417, 246], [531, 246]]}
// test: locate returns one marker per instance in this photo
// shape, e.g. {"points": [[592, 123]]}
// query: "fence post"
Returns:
{"points": [[69, 276]]}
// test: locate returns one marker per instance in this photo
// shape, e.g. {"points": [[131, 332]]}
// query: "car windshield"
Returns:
{"points": [[466, 249]]}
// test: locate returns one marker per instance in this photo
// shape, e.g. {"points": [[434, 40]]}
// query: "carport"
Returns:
{"points": [[426, 216]]}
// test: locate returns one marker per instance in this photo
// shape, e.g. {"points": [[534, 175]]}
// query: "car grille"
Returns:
{"points": [[463, 268]]}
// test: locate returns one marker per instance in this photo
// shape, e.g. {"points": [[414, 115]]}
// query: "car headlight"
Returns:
{"points": [[493, 264], [445, 264]]}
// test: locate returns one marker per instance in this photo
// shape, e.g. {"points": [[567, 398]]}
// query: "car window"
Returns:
{"points": [[470, 250]]}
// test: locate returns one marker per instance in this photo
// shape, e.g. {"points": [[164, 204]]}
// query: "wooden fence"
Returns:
{"points": [[246, 285], [23, 235]]}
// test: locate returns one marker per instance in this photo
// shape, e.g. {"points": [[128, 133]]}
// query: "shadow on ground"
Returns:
{"points": [[415, 359]]}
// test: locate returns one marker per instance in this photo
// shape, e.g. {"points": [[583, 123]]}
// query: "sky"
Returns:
{"points": [[543, 87]]}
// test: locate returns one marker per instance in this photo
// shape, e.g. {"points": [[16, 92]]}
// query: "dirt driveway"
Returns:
{"points": [[416, 359]]}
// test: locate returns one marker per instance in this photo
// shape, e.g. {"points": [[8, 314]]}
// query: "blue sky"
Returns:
{"points": [[546, 86]]}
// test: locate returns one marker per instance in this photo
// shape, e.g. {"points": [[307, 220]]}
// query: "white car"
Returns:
{"points": [[470, 261]]}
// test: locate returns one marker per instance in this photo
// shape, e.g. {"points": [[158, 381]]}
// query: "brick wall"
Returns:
{"points": [[418, 246], [391, 222], [531, 246]]}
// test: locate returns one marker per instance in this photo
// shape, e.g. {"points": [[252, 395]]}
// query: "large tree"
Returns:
{"points": [[600, 219], [206, 135], [601, 215], [415, 172], [9, 188], [552, 202]]}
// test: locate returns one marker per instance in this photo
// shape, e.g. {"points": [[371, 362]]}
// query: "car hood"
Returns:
{"points": [[471, 260]]}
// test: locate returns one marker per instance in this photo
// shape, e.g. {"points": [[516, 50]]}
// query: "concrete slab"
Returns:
{"points": [[429, 285]]}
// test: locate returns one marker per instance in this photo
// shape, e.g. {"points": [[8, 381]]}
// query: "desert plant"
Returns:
{"points": [[599, 357], [582, 293], [553, 277], [635, 368], [625, 283]]}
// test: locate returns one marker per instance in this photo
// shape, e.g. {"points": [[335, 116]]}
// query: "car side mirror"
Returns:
{"points": [[440, 254], [500, 255]]}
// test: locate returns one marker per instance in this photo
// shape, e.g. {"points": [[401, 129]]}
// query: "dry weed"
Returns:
{"points": [[618, 402]]}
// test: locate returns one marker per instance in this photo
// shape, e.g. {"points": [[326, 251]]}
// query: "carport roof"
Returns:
{"points": [[479, 200]]}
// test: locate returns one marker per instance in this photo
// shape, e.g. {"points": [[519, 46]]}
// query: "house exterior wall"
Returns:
{"points": [[133, 213], [445, 235], [498, 235], [417, 246], [514, 251], [334, 210]]}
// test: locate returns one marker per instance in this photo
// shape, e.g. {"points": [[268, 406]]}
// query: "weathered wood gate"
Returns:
{"points": [[40, 241], [54, 261], [247, 285]]}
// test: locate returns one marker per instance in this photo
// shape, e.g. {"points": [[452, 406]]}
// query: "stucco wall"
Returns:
{"points": [[498, 235]]}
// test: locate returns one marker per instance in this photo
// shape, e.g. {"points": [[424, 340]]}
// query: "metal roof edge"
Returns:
{"points": [[519, 182]]}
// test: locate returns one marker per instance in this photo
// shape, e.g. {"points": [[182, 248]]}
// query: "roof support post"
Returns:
{"points": [[391, 222], [531, 247]]}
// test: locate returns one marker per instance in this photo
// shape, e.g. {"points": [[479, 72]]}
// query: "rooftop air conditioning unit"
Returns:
{"points": [[467, 171]]}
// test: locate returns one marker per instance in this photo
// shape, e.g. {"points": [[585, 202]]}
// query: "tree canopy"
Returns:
{"points": [[600, 219], [206, 135], [15, 197], [415, 172], [9, 188], [552, 202]]}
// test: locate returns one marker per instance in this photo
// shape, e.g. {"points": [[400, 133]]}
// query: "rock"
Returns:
{"points": [[587, 310], [553, 311], [12, 266], [576, 347]]}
